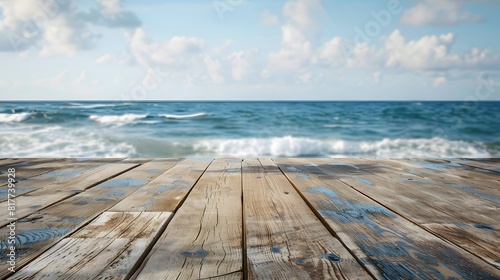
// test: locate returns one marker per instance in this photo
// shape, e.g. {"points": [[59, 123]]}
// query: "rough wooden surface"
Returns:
{"points": [[107, 248], [284, 237], [143, 218], [204, 239]]}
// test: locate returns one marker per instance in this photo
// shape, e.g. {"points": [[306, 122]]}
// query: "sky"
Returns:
{"points": [[250, 50]]}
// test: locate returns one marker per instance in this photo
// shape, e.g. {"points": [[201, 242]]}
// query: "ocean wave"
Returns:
{"points": [[95, 106], [117, 119], [196, 115], [57, 141], [289, 146], [15, 117], [332, 126]]}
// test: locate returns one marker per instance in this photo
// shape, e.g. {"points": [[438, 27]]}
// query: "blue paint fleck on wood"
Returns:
{"points": [[293, 169], [84, 201], [154, 170], [4, 191], [416, 181], [332, 257], [482, 226], [125, 182], [103, 199], [64, 174], [350, 211], [116, 193], [299, 262], [364, 181], [475, 192], [275, 250], [199, 253], [27, 237], [304, 176], [436, 166], [342, 164]]}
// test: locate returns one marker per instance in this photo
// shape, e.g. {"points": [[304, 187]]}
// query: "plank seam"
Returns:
{"points": [[141, 264], [243, 228], [144, 254], [450, 242], [325, 224]]}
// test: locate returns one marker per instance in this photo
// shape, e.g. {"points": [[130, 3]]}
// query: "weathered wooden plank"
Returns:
{"points": [[107, 248], [423, 202], [285, 240], [34, 201], [446, 174], [204, 238], [46, 175], [448, 168], [39, 231], [13, 161], [484, 165], [388, 245], [165, 192]]}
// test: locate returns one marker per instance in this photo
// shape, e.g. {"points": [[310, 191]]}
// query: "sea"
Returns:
{"points": [[249, 129]]}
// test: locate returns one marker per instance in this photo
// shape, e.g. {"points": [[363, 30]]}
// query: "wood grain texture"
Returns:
{"points": [[45, 174], [165, 192], [424, 202], [107, 248], [454, 176], [39, 231], [12, 162], [285, 240], [34, 201], [204, 238], [482, 165], [388, 245]]}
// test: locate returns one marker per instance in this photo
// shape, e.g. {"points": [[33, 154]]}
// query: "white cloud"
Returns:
{"points": [[170, 52], [428, 53], [213, 68], [332, 53], [439, 81], [110, 6], [110, 13], [241, 63], [269, 19], [57, 28], [103, 59], [51, 26], [439, 12], [220, 49], [298, 34]]}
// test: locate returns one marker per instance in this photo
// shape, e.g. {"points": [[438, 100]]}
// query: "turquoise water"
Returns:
{"points": [[248, 129]]}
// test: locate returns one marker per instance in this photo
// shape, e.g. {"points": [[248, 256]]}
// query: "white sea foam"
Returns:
{"points": [[292, 147], [332, 126], [94, 106], [117, 119], [170, 116], [19, 117], [57, 141]]}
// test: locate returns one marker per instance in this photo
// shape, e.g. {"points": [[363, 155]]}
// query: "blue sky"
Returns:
{"points": [[242, 50]]}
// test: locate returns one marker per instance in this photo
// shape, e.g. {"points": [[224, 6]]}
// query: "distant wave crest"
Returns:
{"points": [[171, 116], [19, 117], [117, 119], [95, 106]]}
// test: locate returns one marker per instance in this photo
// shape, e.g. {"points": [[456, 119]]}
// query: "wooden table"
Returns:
{"points": [[256, 218]]}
